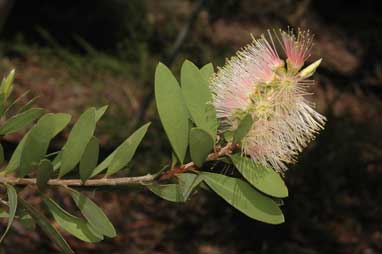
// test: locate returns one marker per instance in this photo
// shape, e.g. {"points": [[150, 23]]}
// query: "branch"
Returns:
{"points": [[77, 182], [219, 151]]}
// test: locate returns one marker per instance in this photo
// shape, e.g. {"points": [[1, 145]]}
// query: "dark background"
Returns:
{"points": [[73, 54]]}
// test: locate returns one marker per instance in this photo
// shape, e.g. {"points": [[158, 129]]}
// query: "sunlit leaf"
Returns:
{"points": [[12, 203], [44, 173], [78, 139], [48, 229], [172, 111], [201, 143], [244, 198], [20, 121], [127, 150], [37, 143], [72, 224], [262, 178], [243, 128], [89, 159], [94, 215]]}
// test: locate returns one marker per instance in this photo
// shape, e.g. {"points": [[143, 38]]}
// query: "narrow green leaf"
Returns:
{"points": [[196, 94], [38, 140], [170, 192], [244, 198], [72, 224], [27, 105], [12, 203], [172, 111], [242, 130], [78, 139], [104, 164], [207, 71], [89, 159], [100, 112], [201, 144], [262, 178], [48, 229], [15, 101], [94, 215], [127, 150], [44, 173], [20, 121]]}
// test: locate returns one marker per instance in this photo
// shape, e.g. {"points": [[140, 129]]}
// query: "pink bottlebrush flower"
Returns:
{"points": [[256, 82], [297, 48]]}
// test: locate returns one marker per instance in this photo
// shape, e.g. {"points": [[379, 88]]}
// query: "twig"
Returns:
{"points": [[120, 181], [77, 182]]}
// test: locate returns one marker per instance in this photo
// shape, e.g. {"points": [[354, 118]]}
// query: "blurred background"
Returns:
{"points": [[73, 54]]}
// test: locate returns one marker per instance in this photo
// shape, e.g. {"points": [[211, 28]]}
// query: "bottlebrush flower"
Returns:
{"points": [[258, 82]]}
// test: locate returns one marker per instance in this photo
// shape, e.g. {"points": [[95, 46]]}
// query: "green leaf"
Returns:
{"points": [[262, 178], [228, 136], [37, 143], [72, 224], [207, 71], [177, 192], [12, 203], [127, 150], [89, 159], [6, 86], [1, 154], [27, 105], [196, 94], [244, 198], [104, 164], [48, 229], [20, 121], [170, 192], [44, 173], [15, 101], [78, 139], [201, 144], [188, 182], [100, 112], [94, 215], [14, 162], [172, 111], [242, 130]]}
